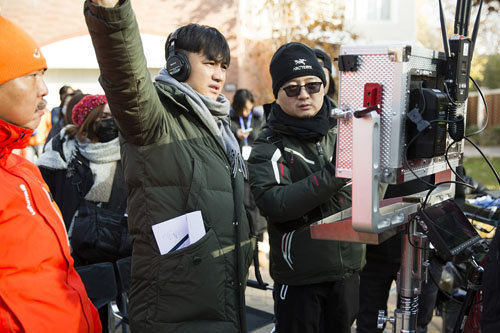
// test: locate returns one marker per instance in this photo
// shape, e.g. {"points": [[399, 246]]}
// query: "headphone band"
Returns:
{"points": [[171, 41]]}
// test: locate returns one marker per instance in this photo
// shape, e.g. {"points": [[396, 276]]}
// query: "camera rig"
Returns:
{"points": [[401, 117]]}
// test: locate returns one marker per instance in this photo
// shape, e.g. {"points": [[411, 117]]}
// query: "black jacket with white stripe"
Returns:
{"points": [[293, 191]]}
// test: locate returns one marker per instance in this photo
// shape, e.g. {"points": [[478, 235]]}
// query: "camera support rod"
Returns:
{"points": [[413, 270]]}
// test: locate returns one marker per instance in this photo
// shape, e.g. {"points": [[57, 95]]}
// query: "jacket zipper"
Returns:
{"points": [[320, 149], [321, 154]]}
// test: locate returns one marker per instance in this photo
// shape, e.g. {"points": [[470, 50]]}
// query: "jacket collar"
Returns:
{"points": [[181, 99], [12, 137], [306, 128]]}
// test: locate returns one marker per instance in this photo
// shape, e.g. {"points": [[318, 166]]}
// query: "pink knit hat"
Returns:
{"points": [[85, 106]]}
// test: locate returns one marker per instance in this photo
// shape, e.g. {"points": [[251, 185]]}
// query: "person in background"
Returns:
{"points": [[40, 291], [94, 135], [75, 98], [70, 101], [179, 157], [316, 282], [58, 113], [326, 62], [246, 123]]}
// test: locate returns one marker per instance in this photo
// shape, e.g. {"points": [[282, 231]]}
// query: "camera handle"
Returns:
{"points": [[413, 271]]}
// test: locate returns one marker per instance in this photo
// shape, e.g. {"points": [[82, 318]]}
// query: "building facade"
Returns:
{"points": [[251, 28]]}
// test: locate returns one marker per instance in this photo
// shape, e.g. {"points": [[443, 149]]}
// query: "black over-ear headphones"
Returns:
{"points": [[177, 63]]}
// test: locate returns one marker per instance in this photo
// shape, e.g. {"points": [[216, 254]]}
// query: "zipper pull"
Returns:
{"points": [[320, 149], [291, 157]]}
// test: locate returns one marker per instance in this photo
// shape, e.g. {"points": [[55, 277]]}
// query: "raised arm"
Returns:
{"points": [[124, 75]]}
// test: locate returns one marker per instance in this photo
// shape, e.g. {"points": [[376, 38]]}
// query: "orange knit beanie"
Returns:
{"points": [[19, 53]]}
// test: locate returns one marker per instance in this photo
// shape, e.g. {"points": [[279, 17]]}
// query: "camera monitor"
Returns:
{"points": [[448, 228]]}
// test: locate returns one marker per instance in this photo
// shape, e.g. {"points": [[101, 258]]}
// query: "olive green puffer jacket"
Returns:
{"points": [[294, 185], [174, 163]]}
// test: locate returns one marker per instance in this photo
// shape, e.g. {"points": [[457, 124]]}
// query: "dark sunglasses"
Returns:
{"points": [[294, 90]]}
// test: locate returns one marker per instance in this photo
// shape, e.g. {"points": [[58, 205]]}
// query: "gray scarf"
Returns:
{"points": [[215, 114], [102, 156]]}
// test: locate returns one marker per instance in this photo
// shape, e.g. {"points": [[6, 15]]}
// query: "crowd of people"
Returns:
{"points": [[121, 175]]}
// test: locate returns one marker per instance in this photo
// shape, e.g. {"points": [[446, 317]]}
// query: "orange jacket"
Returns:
{"points": [[40, 291]]}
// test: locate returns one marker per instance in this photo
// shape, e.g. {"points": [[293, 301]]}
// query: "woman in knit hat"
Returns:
{"points": [[95, 135], [81, 165], [40, 291]]}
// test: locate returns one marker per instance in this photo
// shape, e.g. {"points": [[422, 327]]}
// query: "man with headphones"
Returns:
{"points": [[180, 161]]}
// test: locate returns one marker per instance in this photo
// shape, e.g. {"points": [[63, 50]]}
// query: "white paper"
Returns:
{"points": [[169, 233], [196, 228], [245, 152], [179, 232]]}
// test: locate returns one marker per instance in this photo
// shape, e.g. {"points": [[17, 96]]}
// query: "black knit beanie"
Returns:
{"points": [[327, 62], [294, 60]]}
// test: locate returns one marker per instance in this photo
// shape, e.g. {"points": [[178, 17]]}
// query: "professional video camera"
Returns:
{"points": [[401, 117]]}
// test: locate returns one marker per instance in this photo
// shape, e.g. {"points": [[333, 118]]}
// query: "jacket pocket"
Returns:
{"points": [[191, 283]]}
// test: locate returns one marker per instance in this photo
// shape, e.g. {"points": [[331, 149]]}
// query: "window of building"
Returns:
{"points": [[370, 10]]}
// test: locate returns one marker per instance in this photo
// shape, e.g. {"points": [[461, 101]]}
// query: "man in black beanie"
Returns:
{"points": [[293, 180]]}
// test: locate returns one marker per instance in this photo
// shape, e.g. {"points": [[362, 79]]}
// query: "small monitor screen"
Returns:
{"points": [[451, 224]]}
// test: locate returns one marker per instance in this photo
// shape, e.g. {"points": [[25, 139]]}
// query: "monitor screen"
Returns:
{"points": [[453, 229]]}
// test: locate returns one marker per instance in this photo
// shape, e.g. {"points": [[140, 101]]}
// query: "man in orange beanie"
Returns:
{"points": [[40, 290]]}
